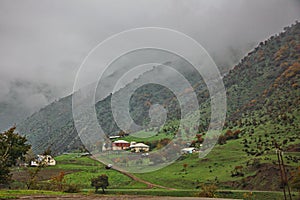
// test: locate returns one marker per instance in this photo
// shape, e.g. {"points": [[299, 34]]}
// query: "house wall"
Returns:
{"points": [[139, 149], [120, 146]]}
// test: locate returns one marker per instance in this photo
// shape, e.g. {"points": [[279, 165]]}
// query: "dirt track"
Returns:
{"points": [[149, 185], [108, 197], [135, 178]]}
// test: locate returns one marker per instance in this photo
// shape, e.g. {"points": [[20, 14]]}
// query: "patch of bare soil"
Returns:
{"points": [[266, 178], [108, 197], [44, 174], [293, 148]]}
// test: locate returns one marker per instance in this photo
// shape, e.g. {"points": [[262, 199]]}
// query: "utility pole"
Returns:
{"points": [[283, 174]]}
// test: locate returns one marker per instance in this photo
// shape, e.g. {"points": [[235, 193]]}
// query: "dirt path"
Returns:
{"points": [[135, 178], [109, 197]]}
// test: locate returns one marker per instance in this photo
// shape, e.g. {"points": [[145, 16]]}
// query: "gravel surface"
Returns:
{"points": [[109, 197]]}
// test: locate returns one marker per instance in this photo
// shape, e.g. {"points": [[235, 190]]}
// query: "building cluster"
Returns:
{"points": [[125, 145], [43, 159], [135, 147]]}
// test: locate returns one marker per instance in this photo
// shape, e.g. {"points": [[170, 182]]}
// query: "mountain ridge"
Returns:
{"points": [[253, 77]]}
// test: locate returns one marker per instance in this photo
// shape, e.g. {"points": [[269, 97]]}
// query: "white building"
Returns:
{"points": [[41, 159], [139, 147], [188, 150]]}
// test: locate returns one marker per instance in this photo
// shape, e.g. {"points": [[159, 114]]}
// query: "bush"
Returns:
{"points": [[17, 185], [100, 182], [42, 186], [71, 188], [208, 190], [58, 181], [222, 140]]}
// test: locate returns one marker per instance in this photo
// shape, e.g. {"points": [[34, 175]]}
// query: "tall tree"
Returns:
{"points": [[12, 147]]}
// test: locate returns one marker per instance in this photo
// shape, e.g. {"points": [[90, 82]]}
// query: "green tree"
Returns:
{"points": [[100, 182], [12, 147]]}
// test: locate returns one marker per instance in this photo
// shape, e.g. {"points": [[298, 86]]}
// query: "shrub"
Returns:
{"points": [[222, 140], [71, 188], [208, 190], [58, 181], [100, 182]]}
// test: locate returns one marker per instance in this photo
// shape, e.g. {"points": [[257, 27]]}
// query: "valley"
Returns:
{"points": [[262, 124]]}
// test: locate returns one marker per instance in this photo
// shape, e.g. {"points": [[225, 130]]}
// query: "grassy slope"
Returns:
{"points": [[120, 184], [198, 169], [218, 164], [89, 168], [13, 194], [264, 77]]}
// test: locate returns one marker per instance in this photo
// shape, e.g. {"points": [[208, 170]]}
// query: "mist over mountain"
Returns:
{"points": [[255, 88], [22, 98], [43, 44]]}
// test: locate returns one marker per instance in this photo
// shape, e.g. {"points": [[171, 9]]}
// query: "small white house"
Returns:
{"points": [[188, 150], [139, 147], [47, 160]]}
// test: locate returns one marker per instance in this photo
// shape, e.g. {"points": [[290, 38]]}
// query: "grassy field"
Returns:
{"points": [[13, 194], [215, 168], [89, 168]]}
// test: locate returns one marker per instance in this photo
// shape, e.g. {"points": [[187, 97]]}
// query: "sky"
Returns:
{"points": [[43, 43]]}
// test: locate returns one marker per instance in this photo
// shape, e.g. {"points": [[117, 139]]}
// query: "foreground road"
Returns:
{"points": [[109, 197]]}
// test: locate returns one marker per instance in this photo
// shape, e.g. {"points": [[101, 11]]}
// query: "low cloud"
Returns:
{"points": [[44, 43]]}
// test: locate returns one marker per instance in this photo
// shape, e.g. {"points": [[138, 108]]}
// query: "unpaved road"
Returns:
{"points": [[109, 197], [135, 178]]}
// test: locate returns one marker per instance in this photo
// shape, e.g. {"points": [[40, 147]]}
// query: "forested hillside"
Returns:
{"points": [[262, 91]]}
